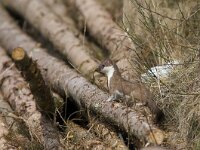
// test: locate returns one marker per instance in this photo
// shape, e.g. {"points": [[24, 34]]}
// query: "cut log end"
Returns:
{"points": [[18, 54], [156, 137]]}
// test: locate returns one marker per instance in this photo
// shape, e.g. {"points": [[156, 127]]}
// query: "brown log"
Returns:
{"points": [[57, 31], [32, 74], [19, 96], [63, 79]]}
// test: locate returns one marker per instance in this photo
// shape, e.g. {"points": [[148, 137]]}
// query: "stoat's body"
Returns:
{"points": [[119, 87]]}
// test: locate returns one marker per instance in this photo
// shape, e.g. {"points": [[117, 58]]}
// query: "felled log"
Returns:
{"points": [[57, 31], [122, 49], [22, 60], [37, 8], [58, 7], [63, 79], [32, 74], [19, 96], [109, 35], [89, 96]]}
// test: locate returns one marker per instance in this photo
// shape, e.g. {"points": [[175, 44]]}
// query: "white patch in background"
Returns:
{"points": [[159, 71]]}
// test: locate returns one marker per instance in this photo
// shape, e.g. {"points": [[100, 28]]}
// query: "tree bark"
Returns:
{"points": [[19, 96], [59, 8], [110, 35], [122, 50], [63, 79], [106, 31], [58, 32], [32, 74]]}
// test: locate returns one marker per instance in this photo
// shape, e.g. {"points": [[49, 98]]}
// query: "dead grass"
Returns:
{"points": [[164, 31]]}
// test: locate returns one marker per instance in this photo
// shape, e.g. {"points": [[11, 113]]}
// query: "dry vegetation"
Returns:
{"points": [[171, 31], [162, 31]]}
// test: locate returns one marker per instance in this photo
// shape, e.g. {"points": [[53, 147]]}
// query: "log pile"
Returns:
{"points": [[27, 83]]}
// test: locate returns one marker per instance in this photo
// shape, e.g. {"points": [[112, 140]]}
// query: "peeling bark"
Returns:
{"points": [[58, 32], [19, 96], [86, 95], [32, 74]]}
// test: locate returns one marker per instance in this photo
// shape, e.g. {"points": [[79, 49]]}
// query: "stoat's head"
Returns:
{"points": [[106, 67]]}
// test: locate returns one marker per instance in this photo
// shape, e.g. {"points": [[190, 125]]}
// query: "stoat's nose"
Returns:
{"points": [[100, 68]]}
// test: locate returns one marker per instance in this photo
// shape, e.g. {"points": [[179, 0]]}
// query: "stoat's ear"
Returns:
{"points": [[108, 62]]}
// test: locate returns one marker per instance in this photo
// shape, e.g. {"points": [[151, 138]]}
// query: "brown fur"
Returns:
{"points": [[136, 90]]}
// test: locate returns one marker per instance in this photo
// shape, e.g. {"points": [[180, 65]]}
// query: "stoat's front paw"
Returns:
{"points": [[110, 99]]}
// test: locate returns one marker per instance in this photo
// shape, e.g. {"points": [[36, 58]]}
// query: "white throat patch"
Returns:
{"points": [[109, 73]]}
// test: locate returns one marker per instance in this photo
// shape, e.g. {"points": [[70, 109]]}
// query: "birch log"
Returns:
{"points": [[106, 31], [86, 95], [59, 8], [109, 35], [59, 34], [18, 94], [57, 31]]}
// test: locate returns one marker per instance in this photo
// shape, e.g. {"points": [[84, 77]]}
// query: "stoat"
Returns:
{"points": [[120, 88]]}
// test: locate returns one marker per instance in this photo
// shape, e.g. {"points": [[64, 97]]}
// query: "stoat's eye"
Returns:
{"points": [[102, 66]]}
